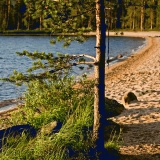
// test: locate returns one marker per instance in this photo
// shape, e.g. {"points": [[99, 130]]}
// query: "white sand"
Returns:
{"points": [[133, 34], [141, 75]]}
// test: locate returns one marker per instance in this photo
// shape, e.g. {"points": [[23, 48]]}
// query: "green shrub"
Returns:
{"points": [[52, 97]]}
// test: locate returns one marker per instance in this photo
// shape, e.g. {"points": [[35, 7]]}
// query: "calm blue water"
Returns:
{"points": [[9, 61]]}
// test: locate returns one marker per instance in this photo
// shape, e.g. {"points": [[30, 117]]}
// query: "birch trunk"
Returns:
{"points": [[99, 70]]}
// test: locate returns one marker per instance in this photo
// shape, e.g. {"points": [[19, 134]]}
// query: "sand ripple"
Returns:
{"points": [[141, 121]]}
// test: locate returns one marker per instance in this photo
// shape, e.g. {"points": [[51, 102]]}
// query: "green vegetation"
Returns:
{"points": [[52, 94], [47, 102], [49, 98], [55, 100], [123, 14]]}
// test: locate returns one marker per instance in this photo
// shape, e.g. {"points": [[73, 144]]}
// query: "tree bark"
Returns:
{"points": [[142, 15], [40, 21], [99, 70], [133, 22], [29, 19], [153, 14], [18, 15], [8, 14]]}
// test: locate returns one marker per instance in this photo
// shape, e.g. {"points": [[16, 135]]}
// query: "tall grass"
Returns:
{"points": [[48, 101]]}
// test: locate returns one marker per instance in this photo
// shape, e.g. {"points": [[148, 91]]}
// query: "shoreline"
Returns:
{"points": [[140, 74], [13, 102], [111, 33], [111, 71], [118, 68]]}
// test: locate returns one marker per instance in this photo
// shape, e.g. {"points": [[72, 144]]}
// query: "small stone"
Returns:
{"points": [[129, 97]]}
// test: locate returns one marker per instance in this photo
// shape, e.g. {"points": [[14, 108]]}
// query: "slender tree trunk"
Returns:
{"points": [[99, 101], [153, 14], [18, 15], [119, 14], [89, 22], [142, 15], [29, 19], [40, 19], [123, 15], [8, 14], [151, 18], [130, 20], [18, 22], [134, 14], [4, 22], [157, 16]]}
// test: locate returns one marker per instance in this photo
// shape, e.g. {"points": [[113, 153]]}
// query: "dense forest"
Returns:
{"points": [[120, 14]]}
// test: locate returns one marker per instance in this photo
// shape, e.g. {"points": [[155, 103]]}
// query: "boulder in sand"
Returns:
{"points": [[129, 97], [119, 55], [112, 108]]}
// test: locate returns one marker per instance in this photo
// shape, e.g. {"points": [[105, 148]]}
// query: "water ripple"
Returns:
{"points": [[9, 61]]}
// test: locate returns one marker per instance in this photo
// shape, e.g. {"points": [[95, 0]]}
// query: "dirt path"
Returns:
{"points": [[141, 120]]}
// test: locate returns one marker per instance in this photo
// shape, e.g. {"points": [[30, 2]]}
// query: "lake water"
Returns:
{"points": [[9, 61]]}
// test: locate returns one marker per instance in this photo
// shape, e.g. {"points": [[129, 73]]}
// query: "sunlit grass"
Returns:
{"points": [[55, 101]]}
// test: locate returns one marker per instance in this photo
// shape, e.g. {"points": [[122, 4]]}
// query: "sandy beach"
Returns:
{"points": [[139, 73], [131, 33]]}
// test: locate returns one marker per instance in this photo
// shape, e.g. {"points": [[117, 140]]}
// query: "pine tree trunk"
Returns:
{"points": [[134, 14], [40, 20], [4, 22], [18, 22], [142, 15], [29, 19], [18, 15], [89, 22], [98, 129], [8, 14], [157, 16], [153, 14]]}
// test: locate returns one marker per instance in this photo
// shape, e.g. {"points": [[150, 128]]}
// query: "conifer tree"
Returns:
{"points": [[61, 17]]}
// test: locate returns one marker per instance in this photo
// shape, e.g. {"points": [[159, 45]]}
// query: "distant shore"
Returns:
{"points": [[132, 33], [111, 33]]}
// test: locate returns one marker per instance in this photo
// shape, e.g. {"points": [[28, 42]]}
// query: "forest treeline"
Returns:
{"points": [[120, 14]]}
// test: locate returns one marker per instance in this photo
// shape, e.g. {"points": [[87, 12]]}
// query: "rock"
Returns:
{"points": [[129, 97], [51, 128], [15, 132], [119, 56], [121, 33], [57, 127], [113, 108]]}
